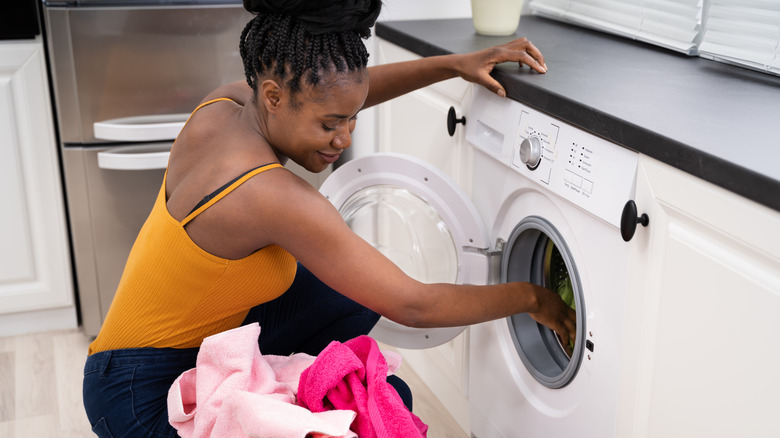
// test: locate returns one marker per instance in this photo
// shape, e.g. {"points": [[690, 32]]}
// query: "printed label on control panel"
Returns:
{"points": [[580, 168]]}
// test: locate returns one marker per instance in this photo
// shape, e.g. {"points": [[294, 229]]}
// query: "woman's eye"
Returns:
{"points": [[335, 127]]}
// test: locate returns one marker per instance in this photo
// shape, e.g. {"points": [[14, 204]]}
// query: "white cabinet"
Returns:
{"points": [[36, 291], [416, 124], [700, 347]]}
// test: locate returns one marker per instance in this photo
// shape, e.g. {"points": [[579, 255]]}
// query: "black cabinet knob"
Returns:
{"points": [[629, 219], [453, 120]]}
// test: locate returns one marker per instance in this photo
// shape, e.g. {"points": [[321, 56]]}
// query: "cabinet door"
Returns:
{"points": [[701, 354], [34, 256], [416, 123]]}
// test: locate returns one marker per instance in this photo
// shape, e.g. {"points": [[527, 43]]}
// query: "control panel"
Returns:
{"points": [[587, 170]]}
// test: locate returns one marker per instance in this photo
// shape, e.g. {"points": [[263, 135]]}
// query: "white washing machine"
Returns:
{"points": [[420, 219], [552, 198]]}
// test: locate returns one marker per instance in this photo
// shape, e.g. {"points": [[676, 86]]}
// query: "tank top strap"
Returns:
{"points": [[208, 102], [224, 191]]}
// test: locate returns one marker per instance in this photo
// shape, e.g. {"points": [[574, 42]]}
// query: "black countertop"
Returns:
{"points": [[715, 121]]}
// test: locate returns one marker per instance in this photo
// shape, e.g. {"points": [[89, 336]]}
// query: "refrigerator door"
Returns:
{"points": [[108, 204], [111, 62], [141, 128]]}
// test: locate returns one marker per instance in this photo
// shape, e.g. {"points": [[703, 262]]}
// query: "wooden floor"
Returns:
{"points": [[40, 389], [40, 385], [429, 409]]}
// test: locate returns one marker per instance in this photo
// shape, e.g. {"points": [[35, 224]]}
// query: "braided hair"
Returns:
{"points": [[295, 40]]}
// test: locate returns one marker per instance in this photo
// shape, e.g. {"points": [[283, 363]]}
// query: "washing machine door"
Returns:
{"points": [[537, 252], [420, 219]]}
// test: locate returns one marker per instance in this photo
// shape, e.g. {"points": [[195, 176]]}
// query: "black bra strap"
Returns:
{"points": [[211, 195]]}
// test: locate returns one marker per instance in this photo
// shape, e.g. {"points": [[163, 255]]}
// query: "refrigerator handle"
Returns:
{"points": [[130, 158], [141, 128]]}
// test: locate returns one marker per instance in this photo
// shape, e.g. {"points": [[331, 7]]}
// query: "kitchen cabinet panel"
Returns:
{"points": [[34, 257], [703, 312], [416, 123]]}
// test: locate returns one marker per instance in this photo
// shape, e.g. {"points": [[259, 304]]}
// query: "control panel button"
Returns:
{"points": [[531, 151], [587, 186]]}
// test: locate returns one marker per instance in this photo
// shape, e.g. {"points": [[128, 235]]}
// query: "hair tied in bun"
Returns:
{"points": [[322, 16]]}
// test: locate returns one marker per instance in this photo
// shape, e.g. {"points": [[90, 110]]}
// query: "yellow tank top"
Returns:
{"points": [[174, 294]]}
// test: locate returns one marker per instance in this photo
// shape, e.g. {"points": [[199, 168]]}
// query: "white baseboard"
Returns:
{"points": [[20, 323]]}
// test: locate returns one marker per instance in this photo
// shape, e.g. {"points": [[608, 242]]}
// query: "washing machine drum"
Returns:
{"points": [[537, 253], [420, 219]]}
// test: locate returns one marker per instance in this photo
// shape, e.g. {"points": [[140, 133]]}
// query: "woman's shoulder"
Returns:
{"points": [[210, 121], [238, 91]]}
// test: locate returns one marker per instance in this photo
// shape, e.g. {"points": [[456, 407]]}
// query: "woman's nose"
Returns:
{"points": [[343, 138]]}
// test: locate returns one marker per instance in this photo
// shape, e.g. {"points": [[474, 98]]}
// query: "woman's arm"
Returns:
{"points": [[290, 213], [392, 80]]}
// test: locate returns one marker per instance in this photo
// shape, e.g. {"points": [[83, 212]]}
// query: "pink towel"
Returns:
{"points": [[234, 391], [353, 376]]}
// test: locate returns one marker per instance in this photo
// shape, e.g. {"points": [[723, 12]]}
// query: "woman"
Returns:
{"points": [[227, 239]]}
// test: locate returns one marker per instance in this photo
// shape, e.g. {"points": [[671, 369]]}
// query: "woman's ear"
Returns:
{"points": [[270, 94]]}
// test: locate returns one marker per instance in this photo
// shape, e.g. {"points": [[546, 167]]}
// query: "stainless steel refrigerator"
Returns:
{"points": [[125, 76]]}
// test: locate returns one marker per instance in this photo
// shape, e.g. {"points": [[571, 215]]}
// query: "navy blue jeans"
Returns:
{"points": [[307, 317], [126, 391]]}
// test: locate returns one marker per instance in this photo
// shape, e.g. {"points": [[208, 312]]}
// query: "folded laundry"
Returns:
{"points": [[353, 376], [235, 391]]}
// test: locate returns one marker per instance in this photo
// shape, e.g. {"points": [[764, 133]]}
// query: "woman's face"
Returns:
{"points": [[313, 126]]}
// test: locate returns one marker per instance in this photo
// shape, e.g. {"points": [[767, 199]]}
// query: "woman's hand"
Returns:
{"points": [[554, 314], [476, 66], [388, 81]]}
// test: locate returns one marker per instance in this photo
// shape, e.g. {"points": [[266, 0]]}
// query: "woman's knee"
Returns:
{"points": [[402, 389]]}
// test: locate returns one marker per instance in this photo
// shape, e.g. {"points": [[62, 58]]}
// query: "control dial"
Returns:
{"points": [[531, 151]]}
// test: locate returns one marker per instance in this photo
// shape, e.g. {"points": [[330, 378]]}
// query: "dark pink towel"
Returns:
{"points": [[353, 376]]}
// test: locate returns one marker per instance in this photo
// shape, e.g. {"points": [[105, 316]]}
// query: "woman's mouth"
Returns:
{"points": [[328, 158]]}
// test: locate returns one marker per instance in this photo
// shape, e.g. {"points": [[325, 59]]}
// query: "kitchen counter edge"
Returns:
{"points": [[695, 150]]}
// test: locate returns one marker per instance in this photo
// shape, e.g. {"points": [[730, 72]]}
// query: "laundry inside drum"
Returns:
{"points": [[558, 280]]}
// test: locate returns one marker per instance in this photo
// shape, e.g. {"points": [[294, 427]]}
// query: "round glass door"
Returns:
{"points": [[406, 229], [536, 252], [418, 218]]}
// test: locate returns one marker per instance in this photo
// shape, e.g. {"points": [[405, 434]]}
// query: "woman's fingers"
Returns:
{"points": [[556, 315], [522, 51], [478, 65], [525, 52]]}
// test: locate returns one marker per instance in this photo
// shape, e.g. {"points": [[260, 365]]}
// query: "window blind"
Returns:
{"points": [[674, 24], [743, 32]]}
